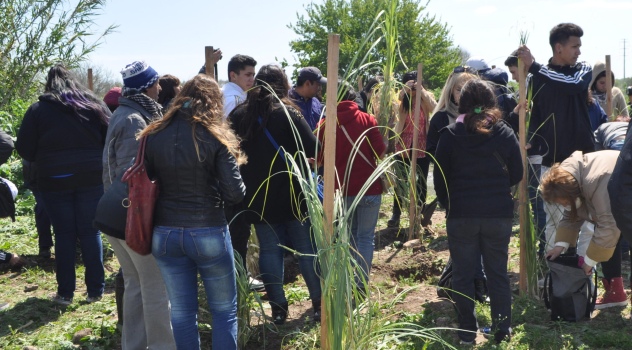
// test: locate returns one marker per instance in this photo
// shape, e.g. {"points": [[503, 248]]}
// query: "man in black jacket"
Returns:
{"points": [[559, 123]]}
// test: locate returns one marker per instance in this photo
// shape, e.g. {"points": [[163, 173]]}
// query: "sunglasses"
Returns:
{"points": [[462, 69]]}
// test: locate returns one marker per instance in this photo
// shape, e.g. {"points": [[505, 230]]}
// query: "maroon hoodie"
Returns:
{"points": [[356, 123]]}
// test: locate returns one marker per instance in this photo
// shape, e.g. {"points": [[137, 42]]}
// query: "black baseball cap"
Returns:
{"points": [[409, 76], [311, 74]]}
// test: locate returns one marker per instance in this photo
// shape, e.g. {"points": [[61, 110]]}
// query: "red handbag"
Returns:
{"points": [[142, 199]]}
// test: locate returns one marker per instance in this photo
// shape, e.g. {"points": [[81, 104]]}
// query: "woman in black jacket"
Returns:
{"points": [[64, 133], [194, 156], [479, 157], [273, 130]]}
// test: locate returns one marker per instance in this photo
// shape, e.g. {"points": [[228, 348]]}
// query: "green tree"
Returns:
{"points": [[421, 37], [34, 34]]}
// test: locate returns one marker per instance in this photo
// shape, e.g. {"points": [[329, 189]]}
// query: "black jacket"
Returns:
{"points": [[559, 123], [620, 189], [479, 170], [61, 143], [272, 196], [438, 121], [193, 187]]}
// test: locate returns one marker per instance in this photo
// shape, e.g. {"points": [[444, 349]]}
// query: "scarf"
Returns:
{"points": [[453, 110], [153, 107]]}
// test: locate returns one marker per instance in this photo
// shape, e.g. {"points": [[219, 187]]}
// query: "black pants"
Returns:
{"points": [[402, 189]]}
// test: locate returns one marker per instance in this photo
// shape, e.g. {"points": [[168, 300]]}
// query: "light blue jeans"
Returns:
{"points": [[183, 252], [363, 224], [271, 237]]}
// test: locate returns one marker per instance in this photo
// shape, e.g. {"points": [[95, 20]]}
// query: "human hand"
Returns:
{"points": [[622, 118], [217, 55], [587, 269], [520, 106], [527, 146], [554, 253], [524, 54]]}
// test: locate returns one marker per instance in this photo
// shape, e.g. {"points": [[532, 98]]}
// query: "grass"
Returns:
{"points": [[34, 321]]}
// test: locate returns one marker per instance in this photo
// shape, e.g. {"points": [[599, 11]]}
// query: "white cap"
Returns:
{"points": [[477, 63]]}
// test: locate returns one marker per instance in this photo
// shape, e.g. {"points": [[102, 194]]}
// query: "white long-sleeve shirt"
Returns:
{"points": [[233, 95]]}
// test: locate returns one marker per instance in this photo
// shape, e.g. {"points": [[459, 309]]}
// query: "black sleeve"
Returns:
{"points": [[26, 144], [514, 164], [6, 147], [442, 169], [230, 183]]}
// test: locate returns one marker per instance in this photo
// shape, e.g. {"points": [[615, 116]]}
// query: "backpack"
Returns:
{"points": [[569, 293], [444, 286], [8, 192]]}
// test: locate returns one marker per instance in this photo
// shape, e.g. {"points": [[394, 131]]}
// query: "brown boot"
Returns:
{"points": [[614, 295]]}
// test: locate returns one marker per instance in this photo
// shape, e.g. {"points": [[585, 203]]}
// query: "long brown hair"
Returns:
{"points": [[558, 184], [478, 103], [201, 97]]}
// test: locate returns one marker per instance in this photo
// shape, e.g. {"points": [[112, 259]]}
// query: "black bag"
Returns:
{"points": [[569, 293], [111, 214], [444, 286], [7, 201]]}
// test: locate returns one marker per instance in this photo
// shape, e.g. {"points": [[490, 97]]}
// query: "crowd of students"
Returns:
{"points": [[221, 157]]}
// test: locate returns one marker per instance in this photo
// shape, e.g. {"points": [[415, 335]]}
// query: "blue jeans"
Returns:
{"points": [[271, 257], [71, 213], [183, 252], [468, 239], [363, 224]]}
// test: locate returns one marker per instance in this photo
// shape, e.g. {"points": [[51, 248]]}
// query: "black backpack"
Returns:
{"points": [[569, 293], [7, 203]]}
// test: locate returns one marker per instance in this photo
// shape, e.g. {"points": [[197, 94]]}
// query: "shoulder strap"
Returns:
{"points": [[502, 162], [359, 151], [272, 141]]}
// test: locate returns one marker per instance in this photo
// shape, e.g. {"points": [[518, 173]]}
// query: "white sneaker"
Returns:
{"points": [[256, 284]]}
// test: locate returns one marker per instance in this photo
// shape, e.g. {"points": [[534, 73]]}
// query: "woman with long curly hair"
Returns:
{"points": [[195, 157], [64, 133], [479, 158]]}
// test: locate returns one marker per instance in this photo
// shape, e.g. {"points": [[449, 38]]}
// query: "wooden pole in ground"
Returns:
{"points": [[90, 80], [522, 186], [329, 176], [360, 84], [412, 210], [609, 110], [210, 61]]}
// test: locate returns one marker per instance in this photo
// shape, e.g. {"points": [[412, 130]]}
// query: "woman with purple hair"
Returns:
{"points": [[64, 133]]}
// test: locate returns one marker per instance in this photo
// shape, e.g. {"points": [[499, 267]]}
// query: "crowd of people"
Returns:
{"points": [[220, 157]]}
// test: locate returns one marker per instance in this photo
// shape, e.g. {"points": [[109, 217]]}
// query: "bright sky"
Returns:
{"points": [[171, 35]]}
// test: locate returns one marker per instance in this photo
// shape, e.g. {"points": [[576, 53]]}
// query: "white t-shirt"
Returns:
{"points": [[233, 95]]}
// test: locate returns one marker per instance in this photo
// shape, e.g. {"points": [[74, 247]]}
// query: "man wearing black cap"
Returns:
{"points": [[308, 85]]}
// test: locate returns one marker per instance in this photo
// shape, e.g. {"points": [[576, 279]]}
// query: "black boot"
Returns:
{"points": [[279, 313], [316, 306]]}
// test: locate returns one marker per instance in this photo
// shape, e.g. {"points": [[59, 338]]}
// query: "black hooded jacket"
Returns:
{"points": [[478, 170]]}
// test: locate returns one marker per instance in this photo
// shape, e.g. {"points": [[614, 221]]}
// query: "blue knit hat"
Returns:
{"points": [[139, 75]]}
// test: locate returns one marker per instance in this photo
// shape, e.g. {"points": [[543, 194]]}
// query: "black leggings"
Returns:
{"points": [[612, 267]]}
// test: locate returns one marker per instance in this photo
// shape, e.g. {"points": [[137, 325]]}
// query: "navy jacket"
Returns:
{"points": [[479, 171], [559, 122]]}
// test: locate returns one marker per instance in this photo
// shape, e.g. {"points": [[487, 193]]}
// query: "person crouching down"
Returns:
{"points": [[580, 184]]}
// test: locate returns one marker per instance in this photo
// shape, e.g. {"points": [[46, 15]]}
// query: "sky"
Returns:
{"points": [[171, 35]]}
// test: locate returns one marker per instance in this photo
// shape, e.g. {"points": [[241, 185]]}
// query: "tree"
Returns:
{"points": [[102, 79], [421, 37], [35, 34]]}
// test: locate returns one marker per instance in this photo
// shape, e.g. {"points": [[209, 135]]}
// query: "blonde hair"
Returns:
{"points": [[202, 99], [558, 184], [454, 79]]}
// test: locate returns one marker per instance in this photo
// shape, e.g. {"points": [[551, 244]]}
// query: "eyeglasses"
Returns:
{"points": [[462, 69]]}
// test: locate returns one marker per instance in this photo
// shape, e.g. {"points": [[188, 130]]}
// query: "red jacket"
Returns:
{"points": [[356, 123]]}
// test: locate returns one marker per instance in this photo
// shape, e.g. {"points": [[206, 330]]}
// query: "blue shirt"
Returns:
{"points": [[311, 108]]}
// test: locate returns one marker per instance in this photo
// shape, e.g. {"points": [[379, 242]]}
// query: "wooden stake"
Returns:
{"points": [[329, 176], [360, 84], [210, 61], [90, 81], [522, 186], [412, 210], [609, 110]]}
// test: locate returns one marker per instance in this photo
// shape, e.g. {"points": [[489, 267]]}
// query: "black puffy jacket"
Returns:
{"points": [[193, 187]]}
